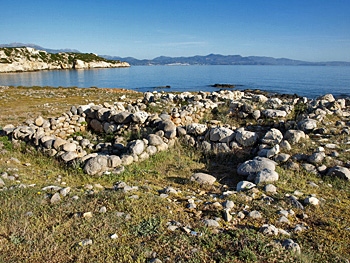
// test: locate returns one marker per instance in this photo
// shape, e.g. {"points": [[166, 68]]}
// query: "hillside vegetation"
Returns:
{"points": [[29, 59]]}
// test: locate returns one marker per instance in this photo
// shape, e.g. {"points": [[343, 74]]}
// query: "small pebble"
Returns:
{"points": [[85, 242], [255, 214], [55, 198], [114, 236], [87, 215]]}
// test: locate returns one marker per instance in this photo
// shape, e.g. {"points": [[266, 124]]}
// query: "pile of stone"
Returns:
{"points": [[270, 139]]}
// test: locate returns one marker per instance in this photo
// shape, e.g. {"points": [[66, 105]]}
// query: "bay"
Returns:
{"points": [[309, 81]]}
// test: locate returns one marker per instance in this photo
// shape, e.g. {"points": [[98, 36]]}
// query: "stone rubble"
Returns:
{"points": [[270, 147], [53, 136]]}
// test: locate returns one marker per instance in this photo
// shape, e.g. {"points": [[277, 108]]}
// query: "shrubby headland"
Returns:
{"points": [[20, 59]]}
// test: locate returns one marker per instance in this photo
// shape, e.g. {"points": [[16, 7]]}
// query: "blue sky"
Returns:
{"points": [[298, 29]]}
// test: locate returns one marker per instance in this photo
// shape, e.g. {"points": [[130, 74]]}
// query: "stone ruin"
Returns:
{"points": [[109, 151]]}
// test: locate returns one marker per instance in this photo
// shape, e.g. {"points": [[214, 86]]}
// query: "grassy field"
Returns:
{"points": [[96, 223]]}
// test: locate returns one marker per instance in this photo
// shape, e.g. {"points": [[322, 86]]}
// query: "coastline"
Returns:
{"points": [[303, 81]]}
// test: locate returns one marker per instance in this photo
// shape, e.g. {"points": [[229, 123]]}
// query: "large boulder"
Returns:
{"points": [[269, 152], [139, 117], [259, 98], [203, 178], [327, 97], [69, 156], [266, 175], [307, 125], [196, 129], [96, 165], [110, 127], [168, 127], [340, 172], [103, 114], [69, 147], [154, 140], [252, 167], [114, 161], [137, 147], [122, 117], [96, 125], [316, 157], [271, 113], [272, 137], [246, 138], [221, 134], [294, 136], [58, 143]]}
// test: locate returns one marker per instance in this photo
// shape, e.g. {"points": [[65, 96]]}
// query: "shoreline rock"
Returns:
{"points": [[26, 59]]}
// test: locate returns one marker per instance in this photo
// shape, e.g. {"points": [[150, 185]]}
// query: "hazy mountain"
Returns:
{"points": [[217, 59], [211, 59], [54, 51]]}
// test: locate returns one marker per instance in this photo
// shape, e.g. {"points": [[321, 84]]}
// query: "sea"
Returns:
{"points": [[306, 81]]}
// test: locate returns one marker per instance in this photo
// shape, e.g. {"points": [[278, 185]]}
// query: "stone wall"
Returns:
{"points": [[135, 134]]}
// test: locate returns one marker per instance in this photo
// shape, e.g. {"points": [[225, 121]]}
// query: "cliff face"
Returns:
{"points": [[30, 59]]}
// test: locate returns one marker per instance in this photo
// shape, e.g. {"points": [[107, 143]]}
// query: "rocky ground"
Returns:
{"points": [[227, 176]]}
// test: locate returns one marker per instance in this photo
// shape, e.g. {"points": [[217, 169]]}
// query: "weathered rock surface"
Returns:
{"points": [[203, 178], [96, 165], [30, 59], [340, 172], [246, 138], [252, 167]]}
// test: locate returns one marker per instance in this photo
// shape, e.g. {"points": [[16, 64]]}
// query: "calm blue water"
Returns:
{"points": [[310, 81]]}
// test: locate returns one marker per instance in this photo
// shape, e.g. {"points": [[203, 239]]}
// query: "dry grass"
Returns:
{"points": [[34, 230]]}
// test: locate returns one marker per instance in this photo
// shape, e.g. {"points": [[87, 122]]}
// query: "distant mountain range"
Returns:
{"points": [[48, 50], [216, 59], [211, 59]]}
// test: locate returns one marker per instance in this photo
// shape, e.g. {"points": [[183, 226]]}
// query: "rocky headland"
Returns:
{"points": [[21, 59], [268, 134]]}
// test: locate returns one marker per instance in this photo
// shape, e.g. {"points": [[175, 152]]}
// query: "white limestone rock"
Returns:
{"points": [[137, 147], [294, 136], [203, 178], [272, 137], [271, 113], [256, 165], [307, 125], [196, 129], [244, 185], [221, 134], [96, 165], [246, 138], [266, 175]]}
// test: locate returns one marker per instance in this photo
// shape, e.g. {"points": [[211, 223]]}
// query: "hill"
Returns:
{"points": [[19, 59], [211, 59], [217, 59], [48, 50]]}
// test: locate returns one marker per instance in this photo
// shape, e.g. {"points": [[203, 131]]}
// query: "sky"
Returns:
{"points": [[311, 30]]}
